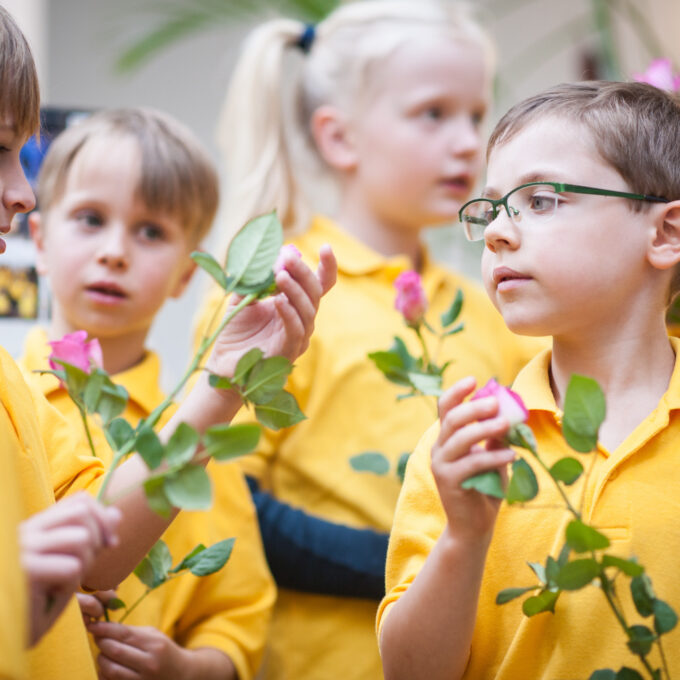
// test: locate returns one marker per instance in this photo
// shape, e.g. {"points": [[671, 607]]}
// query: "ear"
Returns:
{"points": [[664, 248], [35, 228], [333, 138], [183, 281]]}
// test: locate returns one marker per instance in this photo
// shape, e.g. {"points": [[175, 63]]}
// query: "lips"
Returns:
{"points": [[459, 183], [106, 289], [506, 275]]}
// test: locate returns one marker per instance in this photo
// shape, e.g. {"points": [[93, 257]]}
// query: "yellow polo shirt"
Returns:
{"points": [[13, 600], [229, 610], [631, 496], [50, 460], [351, 408]]}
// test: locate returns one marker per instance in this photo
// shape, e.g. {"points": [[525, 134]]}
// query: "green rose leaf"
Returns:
{"points": [[182, 445], [391, 365], [153, 570], [149, 447], [456, 329], [453, 312], [75, 378], [212, 559], [566, 470], [577, 574], [225, 442], [112, 401], [253, 251], [584, 412], [401, 465], [93, 390], [543, 602], [643, 595], [189, 558], [260, 288], [118, 432], [488, 483], [427, 384], [665, 618], [583, 538], [245, 364], [210, 265], [523, 485], [114, 604], [641, 639], [370, 461], [219, 382], [154, 488], [563, 557], [628, 567], [539, 570], [521, 435], [604, 674], [509, 594], [552, 568], [281, 411], [189, 488], [266, 379], [626, 673]]}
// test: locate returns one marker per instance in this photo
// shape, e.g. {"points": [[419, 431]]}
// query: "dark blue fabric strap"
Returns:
{"points": [[313, 555]]}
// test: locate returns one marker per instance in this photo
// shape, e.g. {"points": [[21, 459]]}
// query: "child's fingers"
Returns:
{"points": [[461, 441], [123, 651], [76, 541], [465, 413], [111, 669], [478, 460], [90, 606], [455, 395], [59, 572], [327, 271], [293, 328], [305, 305], [304, 276]]}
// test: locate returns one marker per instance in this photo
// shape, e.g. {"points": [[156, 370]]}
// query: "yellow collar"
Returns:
{"points": [[141, 380]]}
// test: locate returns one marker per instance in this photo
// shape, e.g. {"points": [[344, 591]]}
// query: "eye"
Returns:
{"points": [[89, 218], [433, 113], [542, 203], [151, 232], [477, 118]]}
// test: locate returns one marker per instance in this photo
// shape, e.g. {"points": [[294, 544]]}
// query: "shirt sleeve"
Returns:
{"points": [[313, 555]]}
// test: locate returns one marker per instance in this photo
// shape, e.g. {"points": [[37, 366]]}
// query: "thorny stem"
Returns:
{"points": [[83, 416]]}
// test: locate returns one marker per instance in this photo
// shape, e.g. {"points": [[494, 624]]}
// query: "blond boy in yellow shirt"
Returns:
{"points": [[51, 460], [113, 236], [581, 222]]}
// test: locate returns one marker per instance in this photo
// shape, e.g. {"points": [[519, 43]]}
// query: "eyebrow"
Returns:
{"points": [[534, 176]]}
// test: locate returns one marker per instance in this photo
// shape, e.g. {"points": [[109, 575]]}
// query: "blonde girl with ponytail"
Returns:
{"points": [[360, 132]]}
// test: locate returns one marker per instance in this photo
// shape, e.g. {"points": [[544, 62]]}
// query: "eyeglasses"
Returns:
{"points": [[532, 202]]}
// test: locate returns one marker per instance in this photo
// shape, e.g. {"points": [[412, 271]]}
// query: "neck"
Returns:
{"points": [[385, 237], [120, 352], [632, 365]]}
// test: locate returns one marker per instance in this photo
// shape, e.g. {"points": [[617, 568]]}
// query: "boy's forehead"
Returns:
{"points": [[552, 148]]}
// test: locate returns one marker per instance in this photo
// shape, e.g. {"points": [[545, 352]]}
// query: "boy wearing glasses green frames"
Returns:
{"points": [[581, 223]]}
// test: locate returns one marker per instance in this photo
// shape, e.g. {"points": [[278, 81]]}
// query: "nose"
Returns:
{"points": [[466, 139], [502, 232], [113, 251], [17, 195]]}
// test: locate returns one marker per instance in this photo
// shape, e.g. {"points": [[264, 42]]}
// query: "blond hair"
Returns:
{"points": [[635, 128], [177, 176], [18, 79], [263, 144]]}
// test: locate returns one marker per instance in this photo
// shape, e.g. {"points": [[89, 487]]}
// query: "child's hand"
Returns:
{"points": [[280, 325], [459, 454], [143, 652], [58, 545], [92, 605]]}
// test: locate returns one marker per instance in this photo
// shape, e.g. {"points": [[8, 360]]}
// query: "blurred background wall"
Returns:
{"points": [[540, 42]]}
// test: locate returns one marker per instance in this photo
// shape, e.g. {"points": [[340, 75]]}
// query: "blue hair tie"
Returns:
{"points": [[307, 38]]}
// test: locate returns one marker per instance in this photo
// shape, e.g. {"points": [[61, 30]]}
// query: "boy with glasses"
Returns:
{"points": [[581, 222]]}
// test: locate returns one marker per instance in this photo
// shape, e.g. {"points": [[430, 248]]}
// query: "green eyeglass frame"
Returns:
{"points": [[559, 187]]}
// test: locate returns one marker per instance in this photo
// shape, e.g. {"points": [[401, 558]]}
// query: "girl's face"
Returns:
{"points": [[417, 136]]}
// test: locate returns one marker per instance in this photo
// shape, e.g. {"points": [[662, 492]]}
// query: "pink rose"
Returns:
{"points": [[660, 74], [286, 250], [73, 349], [410, 300], [510, 404]]}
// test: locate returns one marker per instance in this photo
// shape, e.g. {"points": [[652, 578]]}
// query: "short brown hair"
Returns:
{"points": [[18, 78], [177, 176], [635, 128]]}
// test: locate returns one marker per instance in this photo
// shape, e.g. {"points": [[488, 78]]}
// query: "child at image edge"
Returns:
{"points": [[114, 243], [391, 102], [50, 460], [596, 272]]}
